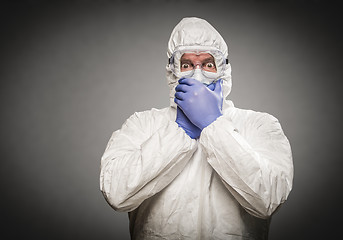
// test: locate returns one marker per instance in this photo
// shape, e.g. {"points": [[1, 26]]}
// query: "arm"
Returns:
{"points": [[255, 165], [141, 159]]}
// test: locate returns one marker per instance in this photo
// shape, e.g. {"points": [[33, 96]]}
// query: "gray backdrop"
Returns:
{"points": [[73, 71]]}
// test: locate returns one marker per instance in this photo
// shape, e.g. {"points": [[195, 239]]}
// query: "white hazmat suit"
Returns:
{"points": [[224, 185]]}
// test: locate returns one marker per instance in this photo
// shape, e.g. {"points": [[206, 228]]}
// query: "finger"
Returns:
{"points": [[177, 101], [182, 88], [187, 81], [180, 104], [180, 95]]}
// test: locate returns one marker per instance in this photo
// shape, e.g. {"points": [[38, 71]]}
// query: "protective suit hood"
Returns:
{"points": [[193, 32]]}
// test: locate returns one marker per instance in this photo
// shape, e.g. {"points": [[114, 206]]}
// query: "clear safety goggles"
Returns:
{"points": [[212, 69]]}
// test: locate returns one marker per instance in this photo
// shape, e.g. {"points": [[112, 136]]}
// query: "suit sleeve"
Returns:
{"points": [[141, 159], [255, 163]]}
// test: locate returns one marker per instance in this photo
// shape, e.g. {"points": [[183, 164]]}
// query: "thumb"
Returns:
{"points": [[218, 87]]}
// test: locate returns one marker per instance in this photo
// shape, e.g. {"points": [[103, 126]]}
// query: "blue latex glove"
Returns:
{"points": [[183, 122], [199, 102]]}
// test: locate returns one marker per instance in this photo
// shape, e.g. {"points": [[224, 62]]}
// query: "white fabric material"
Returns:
{"points": [[225, 185]]}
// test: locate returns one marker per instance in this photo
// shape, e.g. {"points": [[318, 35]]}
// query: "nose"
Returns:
{"points": [[197, 65]]}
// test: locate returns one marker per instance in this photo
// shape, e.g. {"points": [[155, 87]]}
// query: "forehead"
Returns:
{"points": [[196, 56]]}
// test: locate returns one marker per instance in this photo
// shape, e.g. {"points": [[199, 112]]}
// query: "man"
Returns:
{"points": [[201, 168]]}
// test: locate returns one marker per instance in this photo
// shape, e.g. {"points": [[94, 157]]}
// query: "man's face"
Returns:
{"points": [[190, 61]]}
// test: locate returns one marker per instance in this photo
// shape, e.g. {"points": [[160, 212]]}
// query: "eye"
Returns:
{"points": [[185, 65], [209, 65]]}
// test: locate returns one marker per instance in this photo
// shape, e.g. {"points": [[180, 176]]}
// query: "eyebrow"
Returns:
{"points": [[209, 59], [186, 60]]}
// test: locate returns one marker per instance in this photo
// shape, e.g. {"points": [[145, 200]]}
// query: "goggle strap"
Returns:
{"points": [[170, 60]]}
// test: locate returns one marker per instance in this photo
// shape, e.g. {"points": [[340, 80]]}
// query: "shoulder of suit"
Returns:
{"points": [[246, 116], [153, 112]]}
